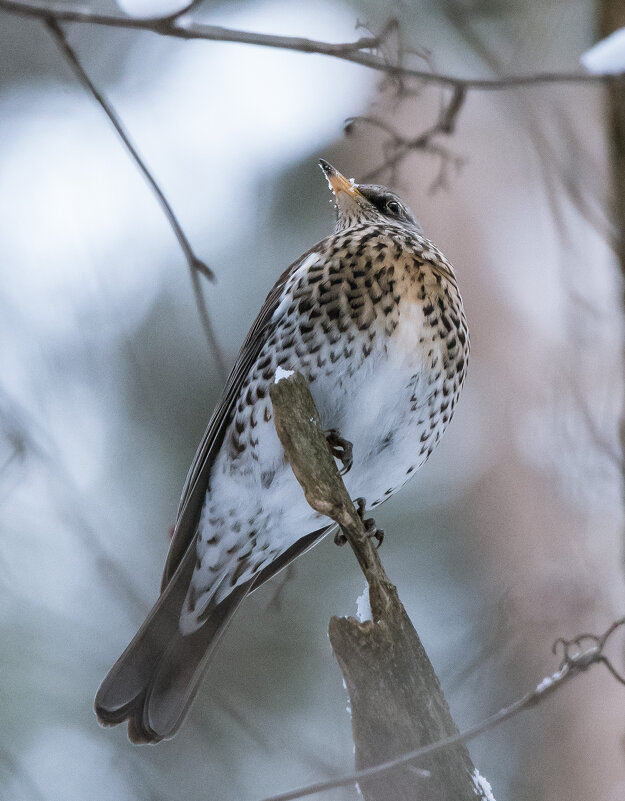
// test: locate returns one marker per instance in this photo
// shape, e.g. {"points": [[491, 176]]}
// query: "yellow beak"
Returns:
{"points": [[338, 182]]}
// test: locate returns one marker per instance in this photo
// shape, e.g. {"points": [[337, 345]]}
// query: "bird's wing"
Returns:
{"points": [[196, 484]]}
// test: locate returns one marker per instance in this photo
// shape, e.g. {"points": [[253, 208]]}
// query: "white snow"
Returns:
{"points": [[482, 787], [544, 684], [549, 680], [151, 8], [363, 607], [607, 56], [281, 373]]}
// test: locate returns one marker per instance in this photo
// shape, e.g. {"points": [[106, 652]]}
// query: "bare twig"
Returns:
{"points": [[397, 146], [355, 52], [575, 661], [196, 265]]}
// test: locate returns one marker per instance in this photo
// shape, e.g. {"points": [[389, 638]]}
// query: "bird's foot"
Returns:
{"points": [[340, 448], [371, 530], [340, 538]]}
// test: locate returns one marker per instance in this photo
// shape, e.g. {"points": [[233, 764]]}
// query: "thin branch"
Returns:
{"points": [[398, 146], [572, 665], [354, 52], [196, 265], [72, 59]]}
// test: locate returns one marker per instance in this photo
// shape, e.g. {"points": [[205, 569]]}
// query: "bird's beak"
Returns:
{"points": [[338, 182]]}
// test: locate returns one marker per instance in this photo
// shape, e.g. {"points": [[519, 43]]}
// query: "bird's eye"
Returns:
{"points": [[393, 207]]}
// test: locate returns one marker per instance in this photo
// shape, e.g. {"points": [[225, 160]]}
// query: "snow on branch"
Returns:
{"points": [[607, 56]]}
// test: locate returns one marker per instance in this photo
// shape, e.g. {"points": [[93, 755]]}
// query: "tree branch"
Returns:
{"points": [[299, 429], [396, 699], [196, 265], [354, 52], [297, 423], [572, 665]]}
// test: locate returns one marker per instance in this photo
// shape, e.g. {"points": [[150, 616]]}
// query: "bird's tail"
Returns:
{"points": [[154, 681]]}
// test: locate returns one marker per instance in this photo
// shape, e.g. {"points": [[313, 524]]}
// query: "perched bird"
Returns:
{"points": [[372, 318]]}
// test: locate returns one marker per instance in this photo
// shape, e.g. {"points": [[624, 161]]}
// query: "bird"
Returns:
{"points": [[372, 317]]}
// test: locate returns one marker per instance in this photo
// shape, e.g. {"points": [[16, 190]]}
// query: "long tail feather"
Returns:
{"points": [[154, 681]]}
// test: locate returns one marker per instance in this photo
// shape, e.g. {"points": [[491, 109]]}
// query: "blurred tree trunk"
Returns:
{"points": [[612, 17]]}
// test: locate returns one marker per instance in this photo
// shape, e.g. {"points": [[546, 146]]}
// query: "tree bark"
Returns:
{"points": [[396, 699], [612, 17]]}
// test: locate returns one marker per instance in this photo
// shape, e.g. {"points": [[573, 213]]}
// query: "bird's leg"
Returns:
{"points": [[371, 530], [340, 448]]}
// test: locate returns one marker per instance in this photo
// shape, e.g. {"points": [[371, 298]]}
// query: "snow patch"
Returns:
{"points": [[281, 373], [549, 680], [607, 56], [482, 787], [151, 8], [363, 607], [544, 684]]}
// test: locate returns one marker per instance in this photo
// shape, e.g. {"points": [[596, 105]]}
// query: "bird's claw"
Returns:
{"points": [[371, 530], [340, 538], [341, 449]]}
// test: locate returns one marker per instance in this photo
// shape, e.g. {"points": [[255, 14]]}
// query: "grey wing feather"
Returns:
{"points": [[196, 484]]}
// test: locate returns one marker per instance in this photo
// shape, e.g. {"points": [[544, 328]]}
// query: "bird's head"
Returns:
{"points": [[358, 203]]}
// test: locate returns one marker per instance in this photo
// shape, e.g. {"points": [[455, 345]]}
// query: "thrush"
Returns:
{"points": [[373, 319]]}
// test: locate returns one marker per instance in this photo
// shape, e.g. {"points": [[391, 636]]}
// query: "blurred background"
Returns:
{"points": [[508, 538]]}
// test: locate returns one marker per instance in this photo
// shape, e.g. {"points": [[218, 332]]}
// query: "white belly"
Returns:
{"points": [[382, 408]]}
